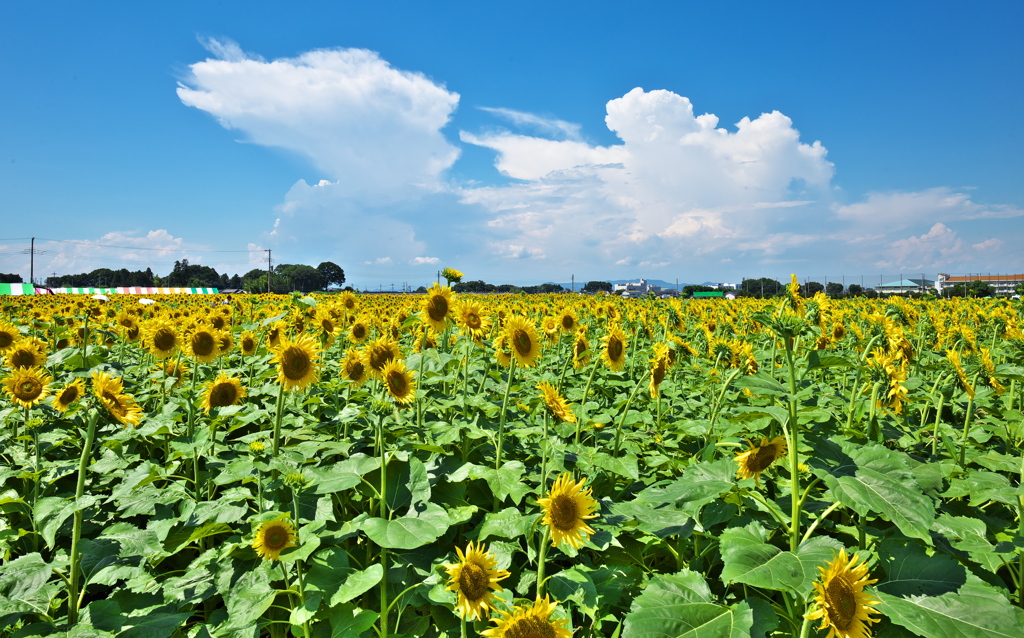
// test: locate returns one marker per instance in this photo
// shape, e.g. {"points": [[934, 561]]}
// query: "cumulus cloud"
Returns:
{"points": [[421, 261], [372, 129], [677, 186]]}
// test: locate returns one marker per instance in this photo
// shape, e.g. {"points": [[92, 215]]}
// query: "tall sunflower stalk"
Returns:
{"points": [[74, 598]]}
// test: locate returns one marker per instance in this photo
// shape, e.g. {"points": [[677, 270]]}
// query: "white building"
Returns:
{"points": [[640, 287], [1004, 284]]}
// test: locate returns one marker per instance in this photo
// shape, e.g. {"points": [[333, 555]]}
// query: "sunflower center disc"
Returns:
{"points": [[29, 389], [473, 582], [6, 339], [530, 627], [163, 340], [358, 331], [522, 342], [203, 344], [296, 363], [355, 371], [438, 308], [842, 603], [396, 383], [23, 359], [223, 395], [276, 539], [614, 349], [564, 513], [68, 395], [764, 457]]}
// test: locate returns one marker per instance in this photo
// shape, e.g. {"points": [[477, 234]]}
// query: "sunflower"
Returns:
{"points": [[566, 509], [273, 537], [841, 604], [378, 352], [353, 367], [523, 340], [502, 350], [276, 333], [27, 386], [473, 578], [347, 301], [399, 382], [614, 352], [71, 393], [202, 344], [248, 343], [954, 362], [359, 330], [161, 338], [759, 458], [437, 306], [567, 320], [450, 275], [175, 368], [534, 622], [296, 361], [555, 402], [472, 319], [222, 392], [8, 335], [325, 324], [660, 363], [27, 352], [120, 405]]}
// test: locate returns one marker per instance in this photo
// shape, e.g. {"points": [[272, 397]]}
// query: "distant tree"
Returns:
{"points": [[186, 275], [978, 288], [763, 287], [692, 288], [834, 288], [304, 278], [813, 287], [331, 273], [10, 278], [473, 286], [1019, 289], [871, 294], [597, 286], [279, 284], [421, 289], [855, 289]]}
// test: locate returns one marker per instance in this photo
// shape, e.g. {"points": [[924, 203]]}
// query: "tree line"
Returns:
{"points": [[284, 278]]}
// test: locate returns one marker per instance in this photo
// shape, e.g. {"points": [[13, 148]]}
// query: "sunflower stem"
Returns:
{"points": [[583, 401], [76, 532], [542, 557], [501, 420], [384, 594], [625, 410], [275, 446], [938, 419], [794, 452], [873, 432], [967, 424]]}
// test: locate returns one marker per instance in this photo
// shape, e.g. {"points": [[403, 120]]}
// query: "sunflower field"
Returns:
{"points": [[510, 466]]}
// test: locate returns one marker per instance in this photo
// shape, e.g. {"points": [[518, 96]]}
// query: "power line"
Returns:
{"points": [[176, 248]]}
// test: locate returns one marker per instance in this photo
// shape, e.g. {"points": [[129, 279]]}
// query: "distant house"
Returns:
{"points": [[1004, 284], [902, 286], [641, 288]]}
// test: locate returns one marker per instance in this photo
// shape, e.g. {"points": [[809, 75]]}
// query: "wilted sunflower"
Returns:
{"points": [[72, 392], [379, 352], [841, 604], [523, 341], [566, 510], [660, 363], [160, 337], [473, 578], [27, 386], [248, 343], [614, 351], [534, 622], [202, 344], [8, 335], [222, 392], [27, 352], [759, 458], [273, 537], [580, 349], [296, 361], [399, 382], [437, 306], [555, 402], [120, 405]]}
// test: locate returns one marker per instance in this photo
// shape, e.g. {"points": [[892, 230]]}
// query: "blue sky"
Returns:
{"points": [[519, 143]]}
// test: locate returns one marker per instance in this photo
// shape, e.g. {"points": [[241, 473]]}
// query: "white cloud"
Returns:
{"points": [[373, 129], [677, 187], [902, 208], [939, 248], [420, 261], [545, 125]]}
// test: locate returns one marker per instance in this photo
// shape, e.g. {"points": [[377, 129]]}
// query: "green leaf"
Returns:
{"points": [[814, 553], [698, 485], [977, 610], [816, 361], [749, 559], [508, 523], [408, 532], [249, 597], [575, 585], [160, 622], [681, 606], [345, 475], [982, 487], [660, 521], [911, 571], [50, 513], [24, 576], [871, 478], [349, 621], [761, 383]]}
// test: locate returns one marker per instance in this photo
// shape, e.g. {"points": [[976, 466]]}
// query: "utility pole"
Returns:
{"points": [[268, 270], [574, 283], [32, 264]]}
